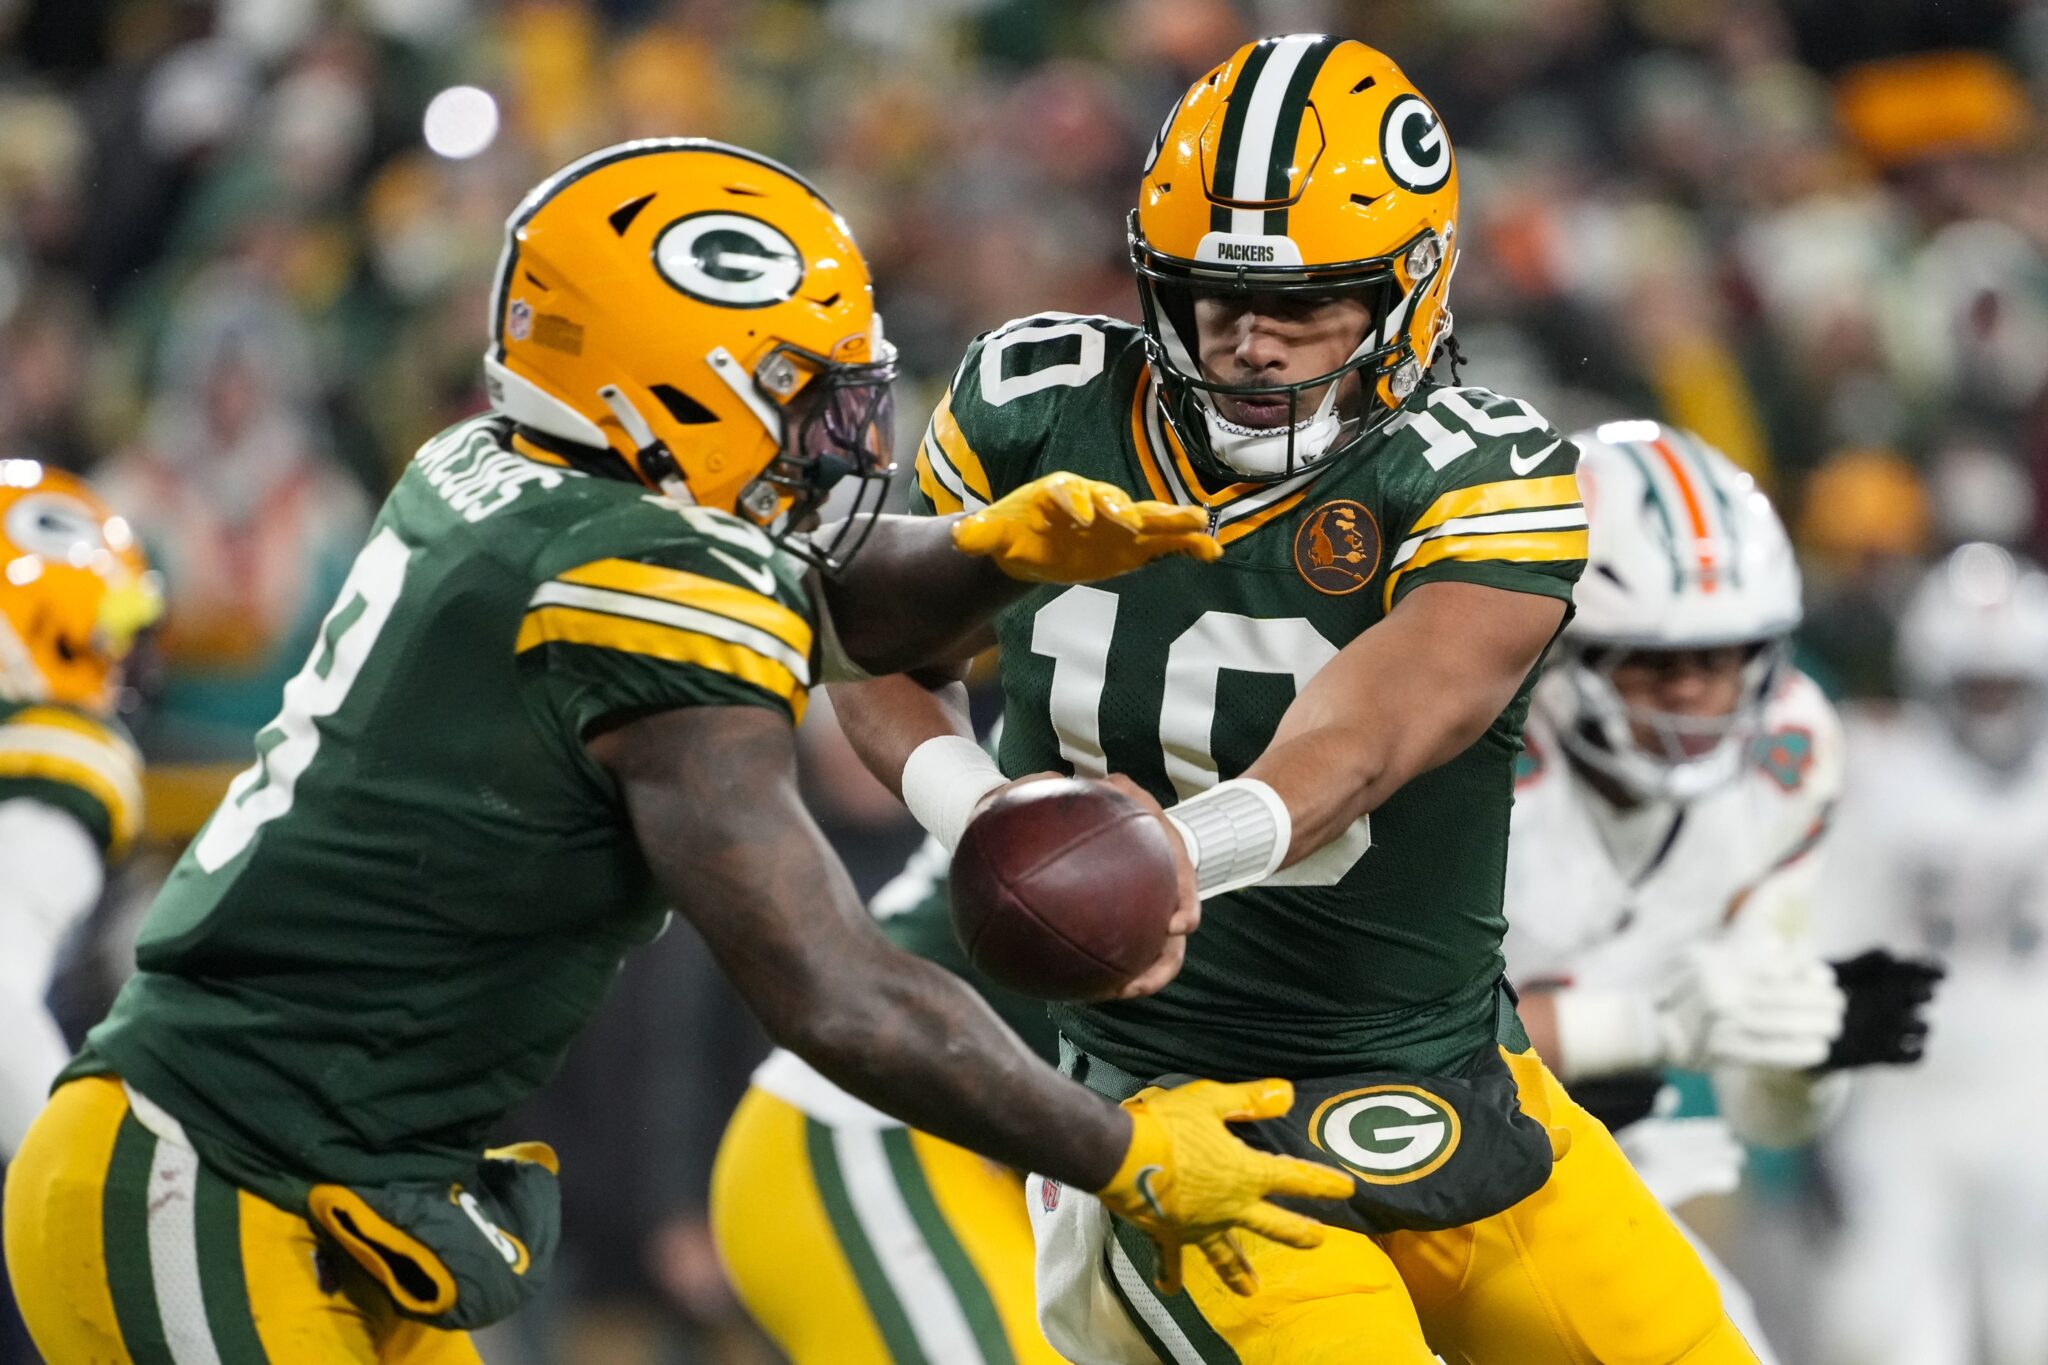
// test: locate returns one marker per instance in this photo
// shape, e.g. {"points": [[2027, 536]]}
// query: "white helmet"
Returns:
{"points": [[1981, 617], [1684, 552]]}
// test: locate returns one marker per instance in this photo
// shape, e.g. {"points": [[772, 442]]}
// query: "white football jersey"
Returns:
{"points": [[1941, 855], [1599, 896]]}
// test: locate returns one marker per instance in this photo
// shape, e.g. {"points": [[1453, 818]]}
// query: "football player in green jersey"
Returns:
{"points": [[1331, 714], [555, 693]]}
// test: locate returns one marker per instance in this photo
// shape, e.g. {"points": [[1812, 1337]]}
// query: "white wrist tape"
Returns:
{"points": [[1237, 833], [1602, 1032], [944, 780]]}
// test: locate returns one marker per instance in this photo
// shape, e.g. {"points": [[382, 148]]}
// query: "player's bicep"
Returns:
{"points": [[1504, 509], [1453, 653]]}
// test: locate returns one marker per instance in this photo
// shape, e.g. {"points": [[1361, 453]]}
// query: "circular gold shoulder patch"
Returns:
{"points": [[1337, 548]]}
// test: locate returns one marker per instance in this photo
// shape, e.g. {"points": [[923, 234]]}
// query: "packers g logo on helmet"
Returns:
{"points": [[1306, 165], [1412, 140], [75, 589], [730, 259], [702, 315], [1386, 1134]]}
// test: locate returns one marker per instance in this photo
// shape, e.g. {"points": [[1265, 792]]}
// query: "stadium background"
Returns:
{"points": [[238, 286]]}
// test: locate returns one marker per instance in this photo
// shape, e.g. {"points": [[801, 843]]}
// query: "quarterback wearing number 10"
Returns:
{"points": [[1331, 713]]}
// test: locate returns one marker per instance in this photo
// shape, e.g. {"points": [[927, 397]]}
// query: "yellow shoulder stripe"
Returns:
{"points": [[1509, 495], [57, 746], [1539, 547], [954, 448], [576, 626], [687, 589]]}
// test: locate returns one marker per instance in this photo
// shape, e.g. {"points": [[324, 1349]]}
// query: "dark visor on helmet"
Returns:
{"points": [[841, 426]]}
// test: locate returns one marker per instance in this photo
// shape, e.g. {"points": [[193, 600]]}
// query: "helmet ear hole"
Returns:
{"points": [[685, 409]]}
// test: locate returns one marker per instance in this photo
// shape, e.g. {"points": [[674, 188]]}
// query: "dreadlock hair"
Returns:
{"points": [[1455, 353]]}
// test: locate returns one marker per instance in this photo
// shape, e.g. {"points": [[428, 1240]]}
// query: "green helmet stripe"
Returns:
{"points": [[1224, 174], [1293, 107]]}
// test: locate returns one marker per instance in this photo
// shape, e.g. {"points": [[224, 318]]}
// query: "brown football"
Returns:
{"points": [[1063, 888]]}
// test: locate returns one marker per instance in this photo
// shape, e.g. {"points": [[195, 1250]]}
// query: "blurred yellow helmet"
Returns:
{"points": [[703, 314], [1305, 165], [75, 590]]}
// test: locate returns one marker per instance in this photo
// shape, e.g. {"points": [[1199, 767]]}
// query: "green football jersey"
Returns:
{"points": [[402, 913], [1383, 948], [82, 765]]}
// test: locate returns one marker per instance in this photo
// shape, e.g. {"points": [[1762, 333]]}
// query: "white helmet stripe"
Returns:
{"points": [[1261, 123]]}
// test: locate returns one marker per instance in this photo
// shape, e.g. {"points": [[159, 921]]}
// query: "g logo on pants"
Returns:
{"points": [[1386, 1134]]}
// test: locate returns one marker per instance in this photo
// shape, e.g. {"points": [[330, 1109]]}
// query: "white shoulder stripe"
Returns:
{"points": [[1496, 523], [112, 761], [558, 594], [944, 471]]}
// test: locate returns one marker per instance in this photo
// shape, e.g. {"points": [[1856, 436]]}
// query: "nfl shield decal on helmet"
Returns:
{"points": [[730, 259], [1386, 1134], [1337, 548]]}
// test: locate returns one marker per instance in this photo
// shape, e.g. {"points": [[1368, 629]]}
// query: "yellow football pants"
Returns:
{"points": [[125, 1250], [852, 1246], [1589, 1270]]}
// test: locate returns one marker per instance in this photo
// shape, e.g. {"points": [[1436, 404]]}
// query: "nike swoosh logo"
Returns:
{"points": [[757, 577], [1523, 468], [1144, 1184]]}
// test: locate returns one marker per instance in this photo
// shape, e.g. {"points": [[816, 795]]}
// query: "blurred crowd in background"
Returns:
{"points": [[246, 245]]}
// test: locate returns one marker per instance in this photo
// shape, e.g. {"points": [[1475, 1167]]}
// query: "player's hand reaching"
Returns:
{"points": [[1748, 1004], [1063, 528], [1186, 919], [1886, 1022], [1187, 1180]]}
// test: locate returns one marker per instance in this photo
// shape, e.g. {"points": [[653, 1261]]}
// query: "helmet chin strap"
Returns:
{"points": [[1266, 450], [655, 458]]}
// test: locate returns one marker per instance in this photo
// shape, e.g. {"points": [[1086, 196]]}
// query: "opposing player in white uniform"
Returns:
{"points": [[1942, 847], [1677, 786]]}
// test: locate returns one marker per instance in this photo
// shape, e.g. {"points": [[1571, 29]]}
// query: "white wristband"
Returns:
{"points": [[944, 780], [1237, 833], [1604, 1032]]}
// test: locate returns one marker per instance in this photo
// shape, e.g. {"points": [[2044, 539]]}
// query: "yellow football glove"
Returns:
{"points": [[1188, 1179], [1063, 528]]}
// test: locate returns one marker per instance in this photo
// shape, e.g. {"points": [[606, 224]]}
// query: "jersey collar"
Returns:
{"points": [[1236, 510]]}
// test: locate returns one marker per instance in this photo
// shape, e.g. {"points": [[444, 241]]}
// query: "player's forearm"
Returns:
{"points": [[1413, 692], [885, 719], [914, 1041], [910, 599], [713, 797]]}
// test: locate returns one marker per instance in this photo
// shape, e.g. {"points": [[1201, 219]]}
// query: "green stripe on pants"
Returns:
{"points": [[124, 1235], [1208, 1345], [889, 1316], [976, 1304], [223, 1284]]}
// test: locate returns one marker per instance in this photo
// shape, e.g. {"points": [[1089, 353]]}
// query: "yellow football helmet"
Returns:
{"points": [[75, 590], [1304, 165], [701, 313]]}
